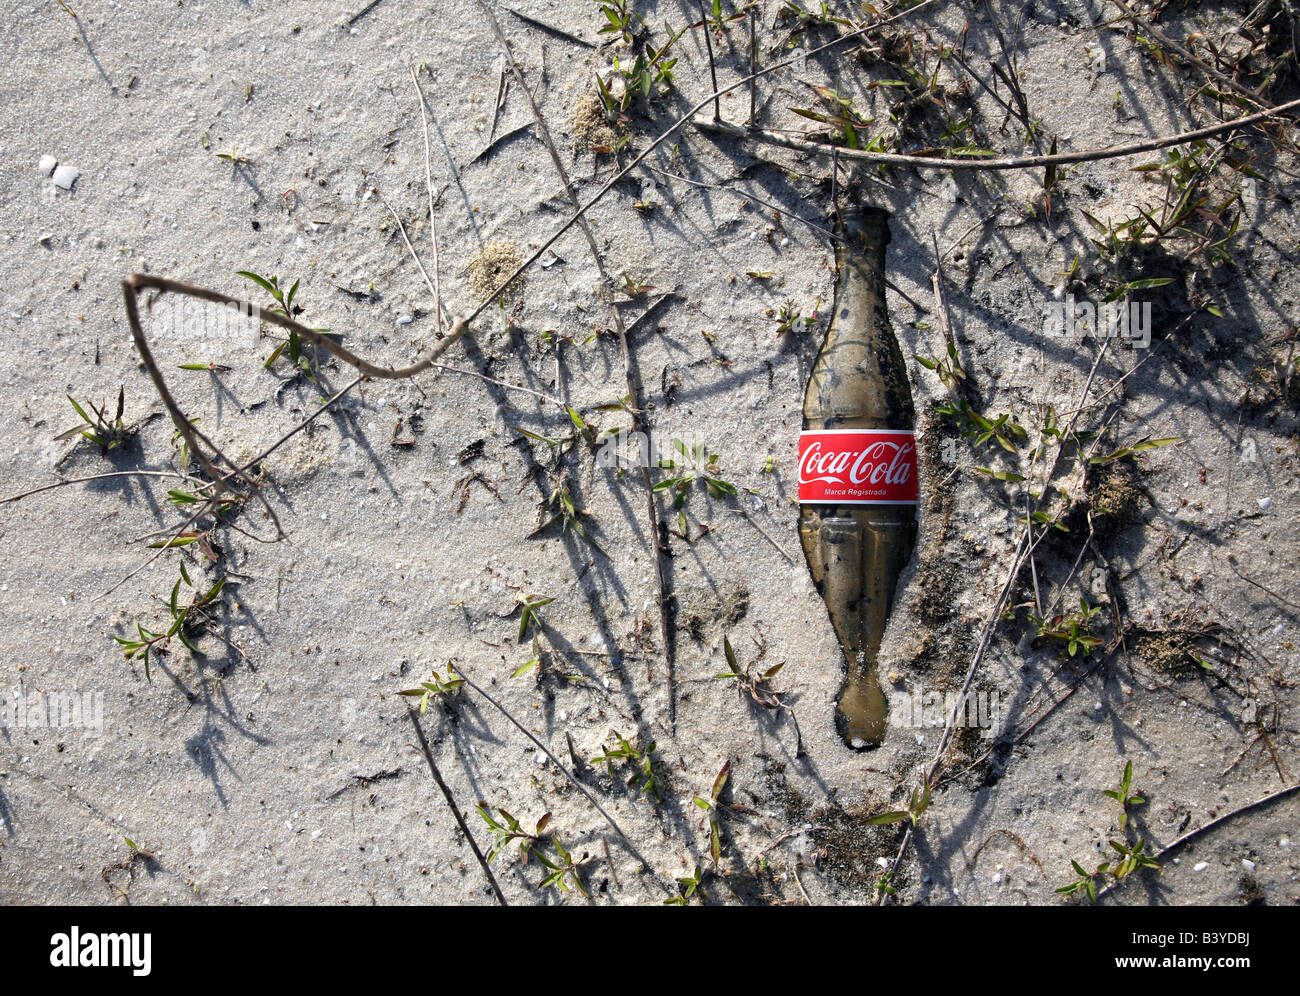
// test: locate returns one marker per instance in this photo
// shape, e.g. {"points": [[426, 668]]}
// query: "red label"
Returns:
{"points": [[857, 467]]}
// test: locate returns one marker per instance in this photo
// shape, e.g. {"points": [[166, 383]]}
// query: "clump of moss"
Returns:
{"points": [[1250, 893], [589, 125], [1173, 653], [850, 845], [705, 606], [490, 266], [1115, 502]]}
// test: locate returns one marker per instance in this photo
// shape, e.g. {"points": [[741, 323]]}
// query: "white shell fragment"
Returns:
{"points": [[46, 165], [65, 176]]}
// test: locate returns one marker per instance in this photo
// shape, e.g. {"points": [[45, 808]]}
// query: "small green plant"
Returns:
{"points": [[647, 77], [564, 874], [620, 20], [790, 319], [839, 115], [137, 855], [696, 456], [533, 663], [980, 429], [1123, 795], [642, 762], [528, 613], [285, 305], [107, 434], [1132, 857], [711, 806], [758, 688], [570, 516], [186, 620], [1085, 882], [507, 830], [948, 368], [1196, 211], [917, 804], [686, 888], [437, 685], [885, 884], [1140, 446], [820, 16], [1072, 631]]}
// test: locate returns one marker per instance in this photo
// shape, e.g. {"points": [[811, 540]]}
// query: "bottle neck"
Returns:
{"points": [[863, 233]]}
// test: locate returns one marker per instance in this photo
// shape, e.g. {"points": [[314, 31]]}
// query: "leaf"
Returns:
{"points": [[1149, 282], [1153, 444], [731, 656], [1001, 475], [897, 816], [262, 282], [720, 782]]}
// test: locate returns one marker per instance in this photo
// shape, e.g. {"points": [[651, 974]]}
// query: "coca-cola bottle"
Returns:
{"points": [[857, 470]]}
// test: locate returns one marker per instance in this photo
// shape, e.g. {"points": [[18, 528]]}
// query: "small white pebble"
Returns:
{"points": [[1264, 503], [1248, 864], [66, 176], [1200, 866], [404, 320], [46, 165]]}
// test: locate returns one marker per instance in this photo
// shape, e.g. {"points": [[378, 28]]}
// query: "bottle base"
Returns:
{"points": [[861, 712]]}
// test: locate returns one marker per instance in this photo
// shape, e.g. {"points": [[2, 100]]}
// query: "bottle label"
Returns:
{"points": [[857, 467]]}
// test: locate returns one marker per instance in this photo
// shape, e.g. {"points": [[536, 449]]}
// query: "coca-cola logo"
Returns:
{"points": [[857, 467]]}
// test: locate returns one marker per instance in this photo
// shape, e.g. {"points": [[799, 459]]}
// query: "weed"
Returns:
{"points": [[710, 806], [1072, 630], [284, 304], [620, 20], [185, 620], [686, 888], [507, 830], [444, 687], [642, 762], [562, 872], [107, 434], [1132, 857], [528, 613], [839, 115], [680, 484], [917, 804], [1123, 795], [757, 688]]}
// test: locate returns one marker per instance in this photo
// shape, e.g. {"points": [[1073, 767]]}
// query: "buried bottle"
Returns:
{"points": [[857, 470]]}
